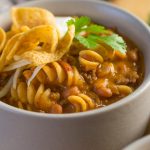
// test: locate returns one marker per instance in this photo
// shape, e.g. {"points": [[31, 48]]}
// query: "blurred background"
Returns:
{"points": [[141, 8]]}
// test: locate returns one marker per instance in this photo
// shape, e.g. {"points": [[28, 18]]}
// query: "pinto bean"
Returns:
{"points": [[56, 109], [69, 108], [104, 92], [105, 69], [70, 91], [100, 87]]}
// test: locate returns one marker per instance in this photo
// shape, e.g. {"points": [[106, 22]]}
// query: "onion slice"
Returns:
{"points": [[16, 76], [17, 57], [6, 88], [35, 72], [16, 65]]}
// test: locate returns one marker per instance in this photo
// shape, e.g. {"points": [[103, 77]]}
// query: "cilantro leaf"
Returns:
{"points": [[95, 29], [87, 42], [93, 37], [79, 23], [82, 22], [115, 41], [70, 22]]}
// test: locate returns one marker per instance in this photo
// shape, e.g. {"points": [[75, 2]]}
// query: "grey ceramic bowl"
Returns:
{"points": [[141, 144], [108, 128]]}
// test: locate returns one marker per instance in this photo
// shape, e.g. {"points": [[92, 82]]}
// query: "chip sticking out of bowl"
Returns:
{"points": [[30, 17]]}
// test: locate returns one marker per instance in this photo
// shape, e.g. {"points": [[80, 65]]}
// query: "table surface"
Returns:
{"points": [[141, 8]]}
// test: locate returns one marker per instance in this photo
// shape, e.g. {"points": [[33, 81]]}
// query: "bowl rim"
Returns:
{"points": [[102, 110]]}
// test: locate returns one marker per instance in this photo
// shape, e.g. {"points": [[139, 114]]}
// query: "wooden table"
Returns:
{"points": [[141, 8]]}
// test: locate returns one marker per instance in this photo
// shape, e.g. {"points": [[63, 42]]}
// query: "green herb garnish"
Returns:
{"points": [[90, 35]]}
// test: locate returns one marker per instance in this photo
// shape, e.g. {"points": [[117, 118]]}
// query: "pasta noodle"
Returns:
{"points": [[89, 59], [81, 102], [60, 72], [32, 97]]}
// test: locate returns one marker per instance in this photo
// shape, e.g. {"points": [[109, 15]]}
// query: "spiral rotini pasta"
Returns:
{"points": [[86, 67], [89, 59], [30, 96], [81, 102], [60, 72], [21, 105]]}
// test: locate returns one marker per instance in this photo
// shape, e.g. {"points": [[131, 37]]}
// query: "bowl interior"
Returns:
{"points": [[103, 13]]}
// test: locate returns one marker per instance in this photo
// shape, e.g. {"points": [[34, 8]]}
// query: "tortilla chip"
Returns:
{"points": [[12, 43], [31, 17], [15, 31], [42, 57], [45, 34], [2, 38]]}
